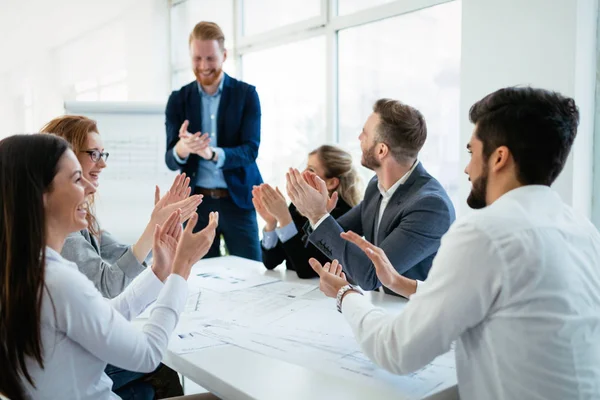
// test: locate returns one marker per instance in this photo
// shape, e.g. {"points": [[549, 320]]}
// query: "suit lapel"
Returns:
{"points": [[222, 111], [371, 214], [399, 196], [195, 111]]}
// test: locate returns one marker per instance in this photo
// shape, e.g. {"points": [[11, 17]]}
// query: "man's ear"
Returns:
{"points": [[500, 158]]}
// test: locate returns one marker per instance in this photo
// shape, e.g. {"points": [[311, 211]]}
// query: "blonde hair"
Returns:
{"points": [[208, 31], [74, 129], [337, 163]]}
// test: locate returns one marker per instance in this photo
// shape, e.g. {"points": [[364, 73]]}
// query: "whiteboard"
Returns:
{"points": [[134, 135]]}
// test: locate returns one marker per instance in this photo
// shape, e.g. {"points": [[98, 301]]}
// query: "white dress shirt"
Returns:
{"points": [[82, 332], [517, 285], [386, 196]]}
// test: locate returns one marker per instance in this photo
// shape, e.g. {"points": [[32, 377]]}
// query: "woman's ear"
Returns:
{"points": [[332, 184]]}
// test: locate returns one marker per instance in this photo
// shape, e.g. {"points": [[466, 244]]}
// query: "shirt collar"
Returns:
{"points": [[390, 192], [219, 89]]}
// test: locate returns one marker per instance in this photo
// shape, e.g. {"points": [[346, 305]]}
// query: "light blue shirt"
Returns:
{"points": [[210, 174], [269, 240]]}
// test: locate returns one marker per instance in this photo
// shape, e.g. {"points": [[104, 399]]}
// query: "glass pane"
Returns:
{"points": [[184, 16], [182, 77], [264, 15], [421, 70], [293, 115], [351, 6]]}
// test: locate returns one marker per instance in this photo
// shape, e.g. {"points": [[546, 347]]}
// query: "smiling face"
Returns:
{"points": [[91, 169], [65, 202], [207, 60]]}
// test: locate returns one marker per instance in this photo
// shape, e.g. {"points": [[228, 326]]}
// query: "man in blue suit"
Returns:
{"points": [[405, 210], [220, 158]]}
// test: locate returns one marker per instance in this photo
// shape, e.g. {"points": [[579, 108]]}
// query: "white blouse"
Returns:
{"points": [[82, 332]]}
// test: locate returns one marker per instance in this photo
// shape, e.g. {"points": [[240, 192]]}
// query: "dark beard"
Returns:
{"points": [[369, 160], [476, 199]]}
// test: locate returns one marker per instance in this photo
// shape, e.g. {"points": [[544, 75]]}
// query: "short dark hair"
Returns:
{"points": [[537, 126], [402, 128]]}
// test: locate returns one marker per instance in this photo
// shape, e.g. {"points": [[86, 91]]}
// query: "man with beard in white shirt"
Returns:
{"points": [[516, 284]]}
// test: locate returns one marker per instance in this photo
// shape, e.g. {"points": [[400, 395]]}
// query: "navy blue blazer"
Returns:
{"points": [[238, 134], [413, 223]]}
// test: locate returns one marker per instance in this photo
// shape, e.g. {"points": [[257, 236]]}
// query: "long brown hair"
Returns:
{"points": [[28, 164], [75, 129], [337, 163]]}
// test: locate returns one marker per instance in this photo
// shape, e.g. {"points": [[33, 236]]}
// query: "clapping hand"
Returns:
{"points": [[317, 183], [331, 277], [175, 198], [310, 202], [164, 245], [275, 204], [193, 246], [196, 143], [269, 219]]}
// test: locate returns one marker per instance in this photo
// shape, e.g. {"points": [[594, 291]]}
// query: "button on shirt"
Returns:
{"points": [[517, 285], [209, 175]]}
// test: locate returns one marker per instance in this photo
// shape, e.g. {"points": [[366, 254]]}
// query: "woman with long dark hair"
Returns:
{"points": [[57, 332]]}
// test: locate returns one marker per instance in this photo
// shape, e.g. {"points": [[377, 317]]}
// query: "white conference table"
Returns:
{"points": [[233, 372]]}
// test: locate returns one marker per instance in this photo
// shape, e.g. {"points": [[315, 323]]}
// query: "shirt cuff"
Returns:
{"points": [[220, 156], [287, 232], [319, 222], [130, 265], [419, 284], [145, 288], [179, 159], [269, 240], [174, 294], [354, 307]]}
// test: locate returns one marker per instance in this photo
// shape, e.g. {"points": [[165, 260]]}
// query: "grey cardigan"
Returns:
{"points": [[111, 266]]}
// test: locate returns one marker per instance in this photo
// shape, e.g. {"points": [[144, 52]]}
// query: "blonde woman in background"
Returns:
{"points": [[283, 234]]}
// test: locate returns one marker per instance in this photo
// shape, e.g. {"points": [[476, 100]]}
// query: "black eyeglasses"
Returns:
{"points": [[96, 155]]}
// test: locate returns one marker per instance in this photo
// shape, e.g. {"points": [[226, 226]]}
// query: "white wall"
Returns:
{"points": [[548, 44], [47, 61]]}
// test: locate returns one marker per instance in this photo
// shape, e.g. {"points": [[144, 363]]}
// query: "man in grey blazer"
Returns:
{"points": [[405, 210]]}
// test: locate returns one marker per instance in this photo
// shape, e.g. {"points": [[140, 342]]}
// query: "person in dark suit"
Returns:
{"points": [[220, 158], [282, 237], [405, 210]]}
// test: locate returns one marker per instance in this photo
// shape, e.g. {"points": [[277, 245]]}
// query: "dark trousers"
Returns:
{"points": [[237, 225], [128, 385]]}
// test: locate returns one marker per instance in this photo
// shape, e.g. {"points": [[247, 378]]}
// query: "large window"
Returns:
{"points": [[290, 81], [319, 65], [264, 15], [351, 6], [414, 58]]}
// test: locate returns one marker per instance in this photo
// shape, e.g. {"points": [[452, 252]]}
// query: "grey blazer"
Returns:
{"points": [[416, 217], [109, 264]]}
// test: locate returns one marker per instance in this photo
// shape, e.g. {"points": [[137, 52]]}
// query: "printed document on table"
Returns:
{"points": [[224, 279]]}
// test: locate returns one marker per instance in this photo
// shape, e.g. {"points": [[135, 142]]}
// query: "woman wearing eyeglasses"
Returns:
{"points": [[111, 265]]}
